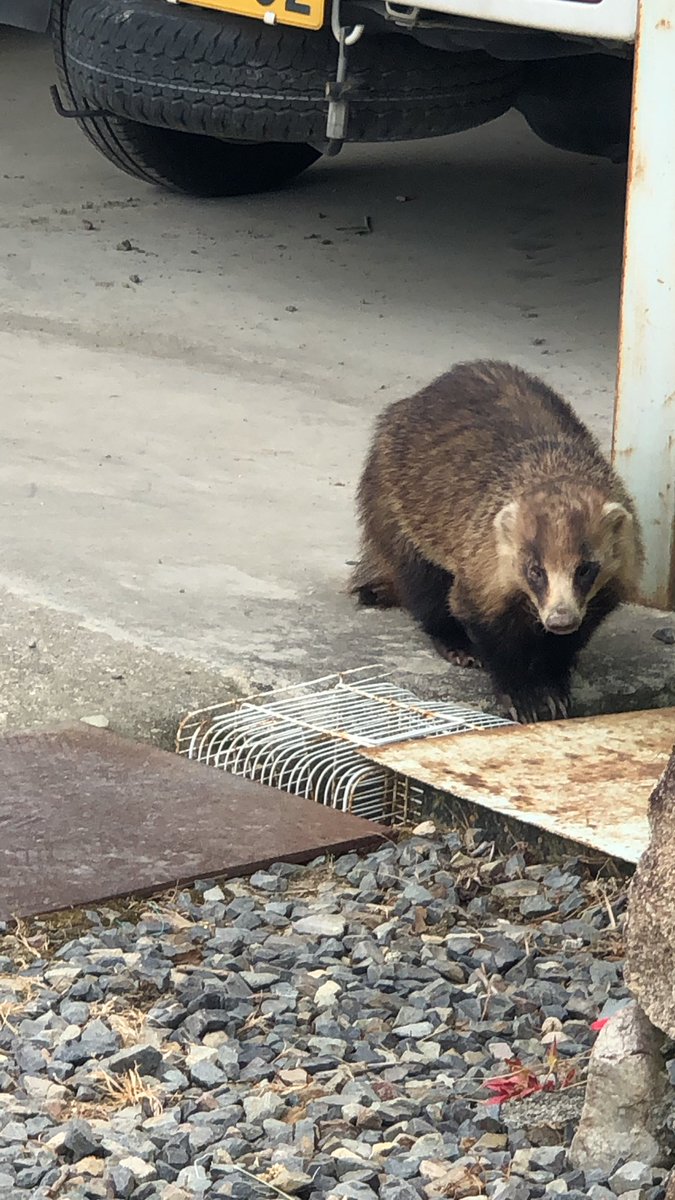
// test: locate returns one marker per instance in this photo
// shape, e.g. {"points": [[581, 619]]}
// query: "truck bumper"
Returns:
{"points": [[610, 20], [26, 14]]}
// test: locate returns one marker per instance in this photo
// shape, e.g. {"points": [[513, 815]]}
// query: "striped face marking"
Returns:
{"points": [[558, 549]]}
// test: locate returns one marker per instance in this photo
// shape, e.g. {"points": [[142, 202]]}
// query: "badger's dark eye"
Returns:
{"points": [[536, 575], [586, 573]]}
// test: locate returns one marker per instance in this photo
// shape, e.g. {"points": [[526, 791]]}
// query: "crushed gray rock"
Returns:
{"points": [[630, 1177], [145, 1059], [331, 1031]]}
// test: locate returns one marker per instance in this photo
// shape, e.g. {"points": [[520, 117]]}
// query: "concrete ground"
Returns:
{"points": [[184, 421]]}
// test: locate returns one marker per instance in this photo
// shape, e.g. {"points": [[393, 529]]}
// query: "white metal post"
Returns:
{"points": [[644, 415]]}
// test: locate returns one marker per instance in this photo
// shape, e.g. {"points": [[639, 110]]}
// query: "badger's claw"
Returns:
{"points": [[527, 711], [519, 711], [458, 657], [558, 704]]}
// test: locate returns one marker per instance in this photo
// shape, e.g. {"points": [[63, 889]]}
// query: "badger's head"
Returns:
{"points": [[559, 546]]}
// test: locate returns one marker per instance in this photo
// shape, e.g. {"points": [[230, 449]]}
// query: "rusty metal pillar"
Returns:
{"points": [[644, 416]]}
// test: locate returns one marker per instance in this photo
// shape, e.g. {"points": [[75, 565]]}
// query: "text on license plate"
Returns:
{"points": [[308, 14]]}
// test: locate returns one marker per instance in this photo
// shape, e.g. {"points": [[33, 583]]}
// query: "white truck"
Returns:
{"points": [[225, 97]]}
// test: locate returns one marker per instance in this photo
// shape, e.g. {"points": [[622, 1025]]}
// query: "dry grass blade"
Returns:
{"points": [[6, 1010], [22, 989], [129, 1024], [257, 1179], [24, 952], [124, 1091], [20, 983], [610, 911]]}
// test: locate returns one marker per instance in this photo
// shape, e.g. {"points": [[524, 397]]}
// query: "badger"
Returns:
{"points": [[490, 514]]}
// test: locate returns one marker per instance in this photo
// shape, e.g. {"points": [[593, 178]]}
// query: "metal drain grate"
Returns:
{"points": [[306, 740]]}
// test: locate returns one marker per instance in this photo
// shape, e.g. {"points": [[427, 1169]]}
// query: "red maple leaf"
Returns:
{"points": [[519, 1083]]}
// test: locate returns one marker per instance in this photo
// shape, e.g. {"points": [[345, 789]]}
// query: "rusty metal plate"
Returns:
{"points": [[588, 779], [86, 816]]}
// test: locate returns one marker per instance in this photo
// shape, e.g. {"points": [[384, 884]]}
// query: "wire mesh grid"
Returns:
{"points": [[306, 740]]}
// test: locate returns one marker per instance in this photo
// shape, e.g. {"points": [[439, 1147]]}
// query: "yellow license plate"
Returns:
{"points": [[307, 14]]}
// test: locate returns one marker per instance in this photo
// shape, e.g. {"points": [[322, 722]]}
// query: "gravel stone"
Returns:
{"points": [[267, 882], [397, 1189], [419, 1029], [321, 925], [207, 1074], [123, 1181], [327, 994], [259, 980], [42, 1090], [75, 1012], [262, 1106], [511, 1189], [194, 1180], [548, 1158], [95, 1041], [79, 1141], [141, 1171], [631, 1176], [143, 1058]]}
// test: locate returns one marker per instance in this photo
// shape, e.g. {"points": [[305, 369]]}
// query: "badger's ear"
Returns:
{"points": [[505, 526], [615, 516]]}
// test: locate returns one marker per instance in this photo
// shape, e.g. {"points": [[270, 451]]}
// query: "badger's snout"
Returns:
{"points": [[562, 620]]}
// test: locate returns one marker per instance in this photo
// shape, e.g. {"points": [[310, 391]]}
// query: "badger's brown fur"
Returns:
{"points": [[490, 513]]}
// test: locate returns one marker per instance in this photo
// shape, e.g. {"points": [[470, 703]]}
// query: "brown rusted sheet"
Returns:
{"points": [[86, 816], [588, 780]]}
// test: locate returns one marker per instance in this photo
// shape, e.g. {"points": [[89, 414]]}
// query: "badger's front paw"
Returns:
{"points": [[529, 708]]}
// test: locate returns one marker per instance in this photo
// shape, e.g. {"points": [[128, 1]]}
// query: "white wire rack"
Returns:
{"points": [[306, 740]]}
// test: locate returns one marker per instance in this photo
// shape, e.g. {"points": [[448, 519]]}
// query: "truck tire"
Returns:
{"points": [[580, 104], [185, 87], [190, 163]]}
